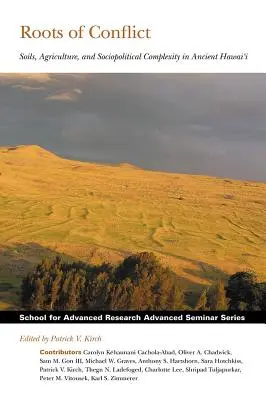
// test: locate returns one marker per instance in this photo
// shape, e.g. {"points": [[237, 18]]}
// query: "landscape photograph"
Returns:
{"points": [[133, 192]]}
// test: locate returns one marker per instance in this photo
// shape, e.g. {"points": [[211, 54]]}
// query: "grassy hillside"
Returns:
{"points": [[203, 227]]}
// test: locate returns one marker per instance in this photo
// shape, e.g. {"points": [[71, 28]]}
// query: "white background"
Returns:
{"points": [[19, 366], [177, 26]]}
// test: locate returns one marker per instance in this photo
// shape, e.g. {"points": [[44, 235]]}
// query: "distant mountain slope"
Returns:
{"points": [[204, 227]]}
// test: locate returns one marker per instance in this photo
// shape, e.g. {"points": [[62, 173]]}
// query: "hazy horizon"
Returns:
{"points": [[208, 124]]}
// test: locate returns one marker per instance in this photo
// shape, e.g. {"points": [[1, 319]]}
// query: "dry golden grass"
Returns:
{"points": [[203, 227]]}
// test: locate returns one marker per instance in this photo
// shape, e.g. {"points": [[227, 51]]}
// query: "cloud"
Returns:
{"points": [[27, 88], [208, 124], [64, 96], [84, 129], [26, 82], [40, 78]]}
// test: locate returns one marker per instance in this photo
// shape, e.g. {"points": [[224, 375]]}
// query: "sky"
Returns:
{"points": [[211, 124]]}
